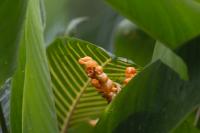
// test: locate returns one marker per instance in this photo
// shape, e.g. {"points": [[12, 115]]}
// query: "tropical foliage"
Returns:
{"points": [[45, 89]]}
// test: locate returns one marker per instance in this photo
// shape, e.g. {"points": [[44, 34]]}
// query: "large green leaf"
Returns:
{"points": [[84, 126], [171, 59], [170, 21], [157, 100], [76, 100], [188, 125], [32, 105], [11, 20], [131, 42], [17, 90]]}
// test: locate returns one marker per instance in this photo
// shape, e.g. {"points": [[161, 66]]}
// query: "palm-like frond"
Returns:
{"points": [[76, 100]]}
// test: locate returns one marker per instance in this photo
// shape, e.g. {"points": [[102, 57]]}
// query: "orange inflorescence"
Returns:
{"points": [[129, 74], [99, 79]]}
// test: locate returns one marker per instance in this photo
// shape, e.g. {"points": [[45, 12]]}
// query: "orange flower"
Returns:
{"points": [[105, 86], [130, 73], [99, 79]]}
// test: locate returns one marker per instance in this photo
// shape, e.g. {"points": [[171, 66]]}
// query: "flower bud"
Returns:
{"points": [[114, 89], [103, 77], [99, 70], [95, 83], [130, 71], [108, 85], [84, 59], [127, 80], [91, 63]]}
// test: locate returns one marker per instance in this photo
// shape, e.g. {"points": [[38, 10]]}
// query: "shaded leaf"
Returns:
{"points": [[188, 125], [86, 127], [11, 20], [133, 43], [76, 100], [57, 18], [17, 90], [99, 27], [5, 100], [156, 100], [169, 58], [71, 28], [4, 107], [163, 19], [32, 105]]}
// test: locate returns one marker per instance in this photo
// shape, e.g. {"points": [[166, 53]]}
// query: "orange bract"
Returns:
{"points": [[95, 83], [85, 59], [99, 79], [129, 74]]}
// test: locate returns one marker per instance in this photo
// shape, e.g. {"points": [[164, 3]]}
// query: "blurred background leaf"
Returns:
{"points": [[172, 22], [98, 28], [72, 26], [101, 21], [32, 102], [11, 21], [76, 100], [5, 106], [131, 42], [56, 16]]}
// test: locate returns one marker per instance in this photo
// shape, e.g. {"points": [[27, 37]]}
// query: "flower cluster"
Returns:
{"points": [[130, 73], [100, 80]]}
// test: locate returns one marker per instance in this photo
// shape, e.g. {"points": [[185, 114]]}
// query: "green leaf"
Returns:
{"points": [[133, 43], [56, 15], [101, 22], [32, 105], [11, 20], [172, 22], [17, 90], [76, 100], [188, 125], [157, 100], [72, 26], [169, 58], [82, 127], [98, 28]]}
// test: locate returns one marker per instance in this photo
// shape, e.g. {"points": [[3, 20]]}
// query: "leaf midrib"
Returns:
{"points": [[76, 101]]}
